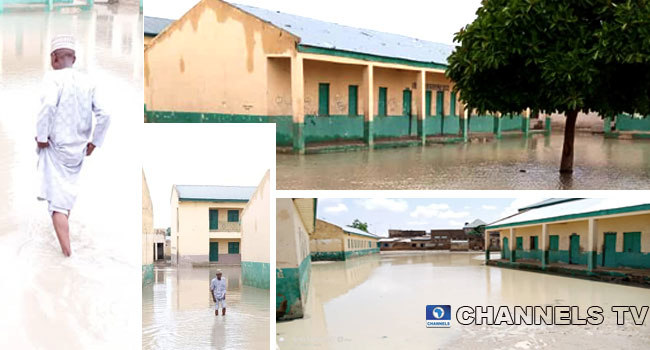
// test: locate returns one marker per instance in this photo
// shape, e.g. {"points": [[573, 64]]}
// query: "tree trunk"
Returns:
{"points": [[566, 166]]}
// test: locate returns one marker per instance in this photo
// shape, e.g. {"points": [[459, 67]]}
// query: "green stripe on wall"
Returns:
{"points": [[291, 286], [353, 253], [147, 274], [626, 122], [256, 274], [368, 57]]}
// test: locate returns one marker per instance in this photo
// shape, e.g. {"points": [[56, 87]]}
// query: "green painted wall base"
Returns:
{"points": [[292, 286], [627, 122], [298, 137], [591, 260], [352, 253], [547, 126], [497, 127], [147, 274], [525, 126], [368, 132], [256, 274], [422, 130], [631, 277], [464, 128], [327, 256]]}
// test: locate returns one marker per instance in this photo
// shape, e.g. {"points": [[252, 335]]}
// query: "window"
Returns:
{"points": [[233, 247], [382, 101], [214, 219], [233, 215], [632, 242], [421, 245], [534, 244], [324, 99], [369, 244], [554, 242], [413, 245], [353, 97], [385, 244], [520, 243]]}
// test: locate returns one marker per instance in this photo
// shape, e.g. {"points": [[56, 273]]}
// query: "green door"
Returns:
{"points": [[427, 103], [609, 250], [381, 104], [452, 104], [406, 103], [574, 250], [214, 251], [505, 249], [353, 94], [324, 99], [440, 100]]}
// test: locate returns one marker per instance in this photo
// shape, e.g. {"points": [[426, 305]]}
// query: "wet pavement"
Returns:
{"points": [[379, 301], [86, 301], [512, 163], [178, 312]]}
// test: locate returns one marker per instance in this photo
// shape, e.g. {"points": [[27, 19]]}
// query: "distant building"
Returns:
{"points": [[333, 242], [295, 221], [591, 234], [205, 225], [468, 238], [159, 244], [406, 233], [147, 233], [256, 236], [441, 238]]}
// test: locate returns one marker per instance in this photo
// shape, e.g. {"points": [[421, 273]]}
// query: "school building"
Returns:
{"points": [[333, 242], [153, 26], [147, 233], [206, 225], [585, 236], [295, 221], [317, 81], [256, 236]]}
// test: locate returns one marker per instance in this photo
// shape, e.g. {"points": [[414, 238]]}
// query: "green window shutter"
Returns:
{"points": [[554, 243], [406, 102], [233, 215], [382, 101], [452, 104], [324, 99], [427, 103], [353, 98], [440, 102], [632, 242], [233, 247], [520, 243], [214, 219]]}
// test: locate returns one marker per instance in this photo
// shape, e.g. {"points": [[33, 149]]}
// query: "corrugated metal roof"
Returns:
{"points": [[546, 202], [215, 193], [571, 209], [154, 25], [356, 231], [328, 35], [476, 223]]}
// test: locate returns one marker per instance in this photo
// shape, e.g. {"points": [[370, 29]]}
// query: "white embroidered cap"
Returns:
{"points": [[62, 42]]}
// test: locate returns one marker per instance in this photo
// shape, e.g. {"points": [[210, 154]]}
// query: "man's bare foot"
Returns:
{"points": [[62, 230]]}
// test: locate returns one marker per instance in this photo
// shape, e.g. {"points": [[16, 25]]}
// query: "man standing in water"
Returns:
{"points": [[218, 289], [63, 131]]}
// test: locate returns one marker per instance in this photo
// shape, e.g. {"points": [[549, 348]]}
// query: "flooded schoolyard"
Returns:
{"points": [[512, 163], [178, 311], [378, 302], [86, 301]]}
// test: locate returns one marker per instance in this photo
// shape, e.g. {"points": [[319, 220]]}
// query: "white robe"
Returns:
{"points": [[65, 121]]}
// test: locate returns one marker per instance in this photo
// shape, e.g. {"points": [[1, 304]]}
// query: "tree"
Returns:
{"points": [[556, 56], [358, 224]]}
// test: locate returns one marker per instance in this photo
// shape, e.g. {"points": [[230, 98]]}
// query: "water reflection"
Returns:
{"points": [[178, 312], [379, 303], [511, 163], [86, 301]]}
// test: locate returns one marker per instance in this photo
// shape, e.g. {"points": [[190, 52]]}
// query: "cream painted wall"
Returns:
{"points": [[357, 242], [326, 238], [147, 224], [339, 76], [620, 225], [279, 86], [292, 240], [256, 224], [213, 59]]}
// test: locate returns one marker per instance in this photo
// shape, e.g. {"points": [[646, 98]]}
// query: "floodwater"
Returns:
{"points": [[378, 302], [513, 163], [178, 312], [90, 300]]}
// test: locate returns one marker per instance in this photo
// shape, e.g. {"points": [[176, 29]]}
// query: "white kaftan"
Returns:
{"points": [[65, 121]]}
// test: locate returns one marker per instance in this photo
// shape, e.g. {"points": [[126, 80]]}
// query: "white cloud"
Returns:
{"points": [[417, 223], [467, 207], [335, 209], [489, 207], [395, 205], [438, 210], [456, 223], [429, 211], [514, 206]]}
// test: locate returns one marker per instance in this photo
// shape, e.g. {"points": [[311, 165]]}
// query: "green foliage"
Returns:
{"points": [[358, 224], [549, 55]]}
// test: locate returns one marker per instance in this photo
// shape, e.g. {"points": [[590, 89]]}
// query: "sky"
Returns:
{"points": [[433, 20], [383, 214], [203, 154]]}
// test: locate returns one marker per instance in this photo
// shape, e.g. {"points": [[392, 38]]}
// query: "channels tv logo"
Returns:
{"points": [[438, 316]]}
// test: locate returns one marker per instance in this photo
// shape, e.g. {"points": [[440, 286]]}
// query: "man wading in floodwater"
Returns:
{"points": [[63, 133], [218, 289]]}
